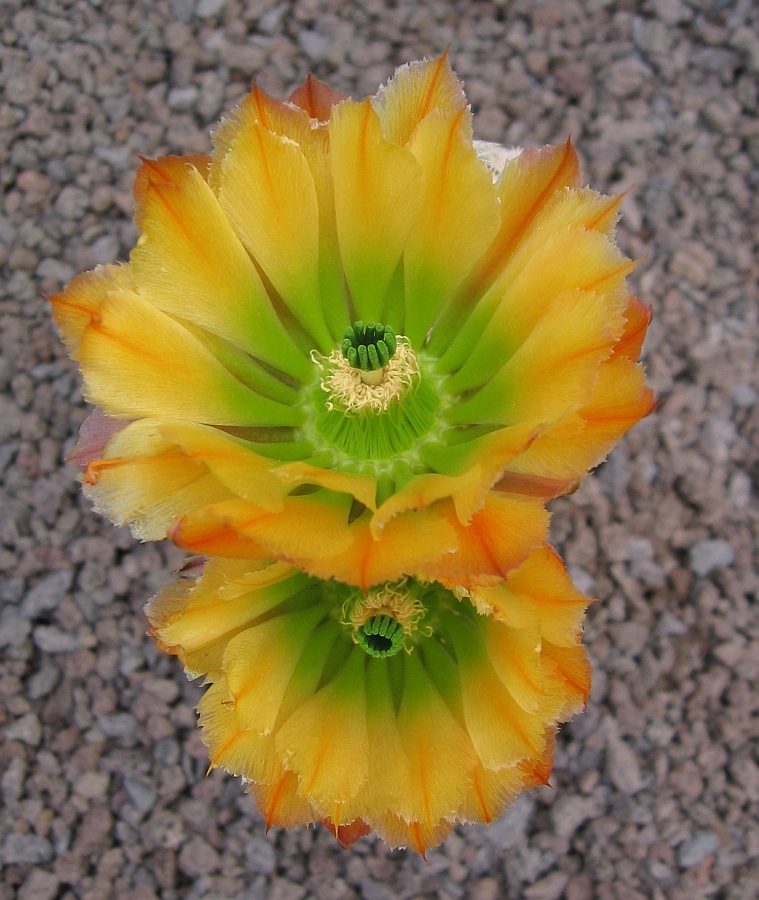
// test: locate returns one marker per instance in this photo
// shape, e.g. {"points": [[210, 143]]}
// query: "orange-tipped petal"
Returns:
{"points": [[555, 369], [325, 741], [415, 90], [498, 539], [439, 750], [637, 320], [76, 308], [449, 236], [540, 591], [145, 481], [189, 262], [573, 667], [378, 191], [526, 185], [268, 193], [407, 544], [138, 361], [281, 804], [308, 527]]}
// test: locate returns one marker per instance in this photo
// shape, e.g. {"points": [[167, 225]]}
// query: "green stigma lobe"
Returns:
{"points": [[381, 636], [369, 347]]}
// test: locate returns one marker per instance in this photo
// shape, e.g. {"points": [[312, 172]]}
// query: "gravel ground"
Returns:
{"points": [[656, 788]]}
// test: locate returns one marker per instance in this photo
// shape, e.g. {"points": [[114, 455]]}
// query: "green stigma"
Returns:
{"points": [[381, 636], [369, 347]]}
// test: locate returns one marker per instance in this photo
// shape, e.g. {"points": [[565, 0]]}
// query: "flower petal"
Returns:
{"points": [[408, 542], [540, 589], [498, 539], [208, 620], [524, 188], [637, 320], [325, 741], [439, 751], [529, 285], [554, 370], [78, 306], [94, 433], [397, 832], [502, 732], [144, 480], [259, 662], [415, 90], [268, 193], [378, 188], [573, 667], [316, 98], [451, 232], [563, 453], [137, 361], [281, 804], [189, 262]]}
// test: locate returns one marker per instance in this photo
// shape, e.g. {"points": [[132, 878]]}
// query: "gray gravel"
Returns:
{"points": [[656, 788]]}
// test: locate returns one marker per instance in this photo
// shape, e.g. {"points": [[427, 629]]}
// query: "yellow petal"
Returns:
{"points": [[524, 188], [501, 731], [414, 91], [542, 588], [325, 742], [492, 791], [282, 805], [362, 487], [388, 776], [556, 367], [139, 362], [398, 833], [498, 538], [420, 492], [77, 307], [269, 196], [291, 120], [574, 669], [515, 656], [259, 663], [208, 531], [451, 232], [637, 320], [190, 263], [563, 453], [308, 527], [245, 753], [378, 188], [144, 480], [209, 621], [407, 543], [531, 282], [485, 458], [439, 751]]}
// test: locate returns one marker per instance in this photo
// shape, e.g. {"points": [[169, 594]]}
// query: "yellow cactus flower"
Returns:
{"points": [[403, 709], [344, 341]]}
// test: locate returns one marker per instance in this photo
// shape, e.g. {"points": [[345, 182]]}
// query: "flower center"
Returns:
{"points": [[372, 401], [385, 617]]}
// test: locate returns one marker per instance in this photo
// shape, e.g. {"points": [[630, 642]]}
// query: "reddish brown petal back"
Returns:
{"points": [[316, 98]]}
